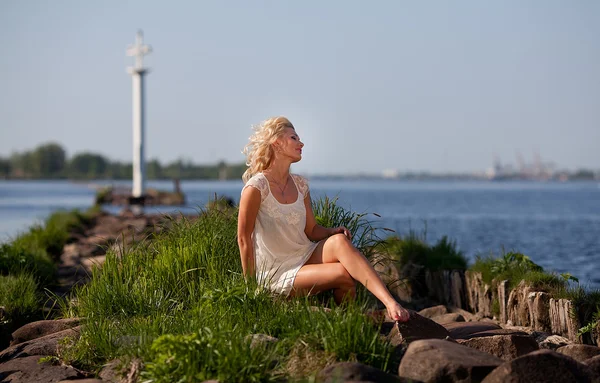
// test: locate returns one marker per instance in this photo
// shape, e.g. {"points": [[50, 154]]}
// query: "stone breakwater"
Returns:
{"points": [[87, 247], [455, 337], [437, 344], [521, 306]]}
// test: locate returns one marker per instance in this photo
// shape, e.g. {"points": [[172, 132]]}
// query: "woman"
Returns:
{"points": [[280, 242]]}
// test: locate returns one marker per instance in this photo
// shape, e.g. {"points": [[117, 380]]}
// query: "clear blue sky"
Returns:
{"points": [[437, 86]]}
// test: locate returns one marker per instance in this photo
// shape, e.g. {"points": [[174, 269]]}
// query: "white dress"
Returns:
{"points": [[281, 247]]}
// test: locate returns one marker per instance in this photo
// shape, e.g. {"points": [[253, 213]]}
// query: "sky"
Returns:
{"points": [[433, 86]]}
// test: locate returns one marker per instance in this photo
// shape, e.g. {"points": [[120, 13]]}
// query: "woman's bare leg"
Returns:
{"points": [[319, 277], [338, 249]]}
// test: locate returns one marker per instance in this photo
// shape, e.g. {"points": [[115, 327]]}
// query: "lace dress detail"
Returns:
{"points": [[281, 247], [302, 184], [260, 183]]}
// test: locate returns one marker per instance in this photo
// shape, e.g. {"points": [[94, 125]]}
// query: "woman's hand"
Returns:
{"points": [[341, 230]]}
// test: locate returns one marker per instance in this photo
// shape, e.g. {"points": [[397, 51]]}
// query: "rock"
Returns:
{"points": [[448, 318], [500, 331], [113, 371], [82, 381], [446, 286], [561, 321], [502, 300], [46, 345], [348, 371], [542, 366], [28, 369], [539, 309], [42, 328], [418, 327], [517, 306], [434, 360], [520, 329], [579, 352], [465, 330], [594, 364], [479, 294], [469, 317], [549, 341], [435, 311], [506, 347], [116, 371]]}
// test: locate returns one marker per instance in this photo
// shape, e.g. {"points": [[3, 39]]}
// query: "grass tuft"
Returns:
{"points": [[413, 249]]}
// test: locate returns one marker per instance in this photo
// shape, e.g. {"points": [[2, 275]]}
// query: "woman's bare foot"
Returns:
{"points": [[397, 312]]}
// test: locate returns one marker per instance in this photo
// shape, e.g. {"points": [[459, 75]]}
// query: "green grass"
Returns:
{"points": [[14, 260], [20, 297], [27, 267], [586, 308], [50, 237], [364, 234], [180, 303], [414, 249], [21, 300], [516, 267]]}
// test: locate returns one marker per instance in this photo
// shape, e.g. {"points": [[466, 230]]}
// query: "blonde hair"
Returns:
{"points": [[259, 152]]}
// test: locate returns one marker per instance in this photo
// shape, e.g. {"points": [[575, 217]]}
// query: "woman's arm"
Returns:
{"points": [[316, 232], [249, 205]]}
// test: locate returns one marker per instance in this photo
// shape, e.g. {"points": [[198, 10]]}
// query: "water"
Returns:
{"points": [[556, 224]]}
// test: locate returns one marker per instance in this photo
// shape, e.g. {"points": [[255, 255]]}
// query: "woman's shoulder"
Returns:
{"points": [[258, 181], [258, 177]]}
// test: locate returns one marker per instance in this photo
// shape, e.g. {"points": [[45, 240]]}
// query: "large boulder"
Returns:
{"points": [[431, 312], [42, 328], [579, 352], [29, 369], [466, 330], [434, 360], [348, 371], [46, 345], [543, 366], [499, 331], [506, 347], [448, 318], [469, 317], [594, 364], [418, 327]]}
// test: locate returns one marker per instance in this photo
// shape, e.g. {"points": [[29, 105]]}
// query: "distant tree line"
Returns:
{"points": [[49, 161]]}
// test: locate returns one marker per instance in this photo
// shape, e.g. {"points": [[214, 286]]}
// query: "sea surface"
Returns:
{"points": [[556, 224]]}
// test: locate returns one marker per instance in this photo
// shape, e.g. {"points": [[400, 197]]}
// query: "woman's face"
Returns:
{"points": [[289, 145]]}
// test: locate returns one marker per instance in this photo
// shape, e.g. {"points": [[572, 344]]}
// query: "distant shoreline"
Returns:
{"points": [[359, 177]]}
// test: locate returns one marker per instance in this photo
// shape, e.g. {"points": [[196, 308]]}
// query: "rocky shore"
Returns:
{"points": [[437, 344], [88, 246], [453, 337]]}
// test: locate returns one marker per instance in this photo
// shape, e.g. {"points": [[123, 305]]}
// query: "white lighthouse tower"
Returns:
{"points": [[139, 50]]}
